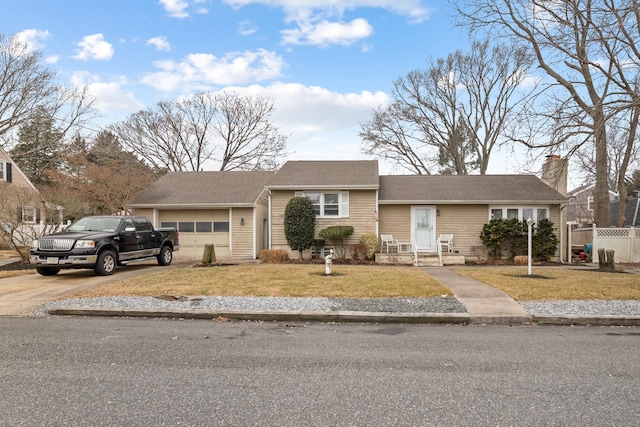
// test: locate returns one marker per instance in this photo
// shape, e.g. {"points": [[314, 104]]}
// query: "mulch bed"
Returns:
{"points": [[17, 265]]}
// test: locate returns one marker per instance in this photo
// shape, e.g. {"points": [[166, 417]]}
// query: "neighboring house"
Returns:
{"points": [[580, 208], [22, 204], [631, 213], [415, 209]]}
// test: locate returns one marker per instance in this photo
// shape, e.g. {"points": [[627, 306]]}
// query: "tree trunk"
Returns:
{"points": [[602, 214], [209, 254]]}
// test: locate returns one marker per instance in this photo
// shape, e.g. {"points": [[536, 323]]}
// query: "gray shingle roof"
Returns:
{"points": [[466, 189], [226, 188], [338, 174]]}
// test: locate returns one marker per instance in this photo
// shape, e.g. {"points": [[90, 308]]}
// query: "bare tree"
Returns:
{"points": [[231, 131], [19, 218], [28, 89], [589, 48], [452, 114]]}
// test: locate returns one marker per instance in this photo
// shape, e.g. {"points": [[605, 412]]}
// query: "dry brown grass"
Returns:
{"points": [[292, 280], [557, 283]]}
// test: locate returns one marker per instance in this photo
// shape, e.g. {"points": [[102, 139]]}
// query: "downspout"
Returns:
{"points": [[563, 229], [269, 221], [231, 225], [255, 231]]}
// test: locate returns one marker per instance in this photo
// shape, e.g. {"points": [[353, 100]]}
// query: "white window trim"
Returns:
{"points": [[3, 170], [343, 202], [590, 203], [521, 209], [33, 214]]}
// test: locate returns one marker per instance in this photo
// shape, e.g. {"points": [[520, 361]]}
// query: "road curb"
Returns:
{"points": [[329, 316], [579, 320]]}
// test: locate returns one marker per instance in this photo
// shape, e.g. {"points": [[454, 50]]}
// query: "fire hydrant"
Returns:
{"points": [[327, 263]]}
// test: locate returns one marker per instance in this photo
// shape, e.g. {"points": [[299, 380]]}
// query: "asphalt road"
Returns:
{"points": [[161, 372]]}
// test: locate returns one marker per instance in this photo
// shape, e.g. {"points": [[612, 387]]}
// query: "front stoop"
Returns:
{"points": [[425, 259]]}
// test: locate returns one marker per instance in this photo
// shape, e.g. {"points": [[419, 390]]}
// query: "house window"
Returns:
{"points": [[185, 227], [28, 214], [590, 203], [328, 205], [203, 227], [221, 227], [3, 170], [169, 224], [521, 213]]}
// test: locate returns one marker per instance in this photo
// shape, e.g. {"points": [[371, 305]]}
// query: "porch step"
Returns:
{"points": [[425, 259]]}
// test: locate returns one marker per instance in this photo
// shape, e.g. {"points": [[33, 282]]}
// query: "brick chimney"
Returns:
{"points": [[554, 173]]}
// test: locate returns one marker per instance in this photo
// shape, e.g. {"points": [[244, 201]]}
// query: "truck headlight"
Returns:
{"points": [[83, 244], [34, 244]]}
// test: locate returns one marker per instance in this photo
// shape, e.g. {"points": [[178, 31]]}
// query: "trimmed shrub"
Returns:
{"points": [[274, 256], [339, 235], [370, 240], [299, 224]]}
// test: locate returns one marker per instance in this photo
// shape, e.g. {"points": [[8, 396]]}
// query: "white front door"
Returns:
{"points": [[422, 227]]}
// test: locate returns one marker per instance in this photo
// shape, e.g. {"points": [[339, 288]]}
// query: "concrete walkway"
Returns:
{"points": [[485, 304]]}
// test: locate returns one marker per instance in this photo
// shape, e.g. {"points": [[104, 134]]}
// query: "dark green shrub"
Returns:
{"points": [[299, 224], [339, 235], [502, 235], [544, 241]]}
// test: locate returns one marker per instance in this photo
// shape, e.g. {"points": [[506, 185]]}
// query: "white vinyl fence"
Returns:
{"points": [[24, 234], [625, 242]]}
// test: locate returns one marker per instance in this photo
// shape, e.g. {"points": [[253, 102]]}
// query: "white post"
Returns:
{"points": [[529, 224]]}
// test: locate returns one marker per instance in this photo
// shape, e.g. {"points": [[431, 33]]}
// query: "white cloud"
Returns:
{"points": [[94, 47], [327, 33], [53, 59], [246, 28], [160, 43], [201, 71], [415, 10], [109, 95], [32, 38], [321, 124], [179, 8]]}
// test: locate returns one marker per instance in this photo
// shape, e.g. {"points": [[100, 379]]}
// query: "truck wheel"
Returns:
{"points": [[106, 263], [47, 271], [166, 256]]}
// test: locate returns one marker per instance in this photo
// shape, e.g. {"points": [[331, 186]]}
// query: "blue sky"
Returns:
{"points": [[326, 63]]}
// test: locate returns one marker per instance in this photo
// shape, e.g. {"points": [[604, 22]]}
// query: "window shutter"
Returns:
{"points": [[8, 165], [344, 204]]}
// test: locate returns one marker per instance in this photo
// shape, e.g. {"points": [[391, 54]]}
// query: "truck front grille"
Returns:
{"points": [[55, 244]]}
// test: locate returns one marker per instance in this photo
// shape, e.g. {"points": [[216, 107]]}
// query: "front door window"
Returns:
{"points": [[423, 227]]}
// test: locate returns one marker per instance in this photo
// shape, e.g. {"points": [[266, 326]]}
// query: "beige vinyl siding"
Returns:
{"points": [[465, 222], [242, 234], [362, 217], [261, 226], [395, 220]]}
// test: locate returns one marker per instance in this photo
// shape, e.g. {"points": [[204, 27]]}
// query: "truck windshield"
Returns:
{"points": [[95, 224]]}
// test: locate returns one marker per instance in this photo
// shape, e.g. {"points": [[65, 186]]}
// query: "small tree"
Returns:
{"points": [[339, 234], [299, 224], [370, 240]]}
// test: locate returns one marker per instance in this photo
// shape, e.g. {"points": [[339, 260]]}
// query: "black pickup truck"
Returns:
{"points": [[102, 243]]}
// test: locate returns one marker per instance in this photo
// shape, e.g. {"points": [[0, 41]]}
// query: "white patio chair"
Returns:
{"points": [[387, 241], [446, 241]]}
